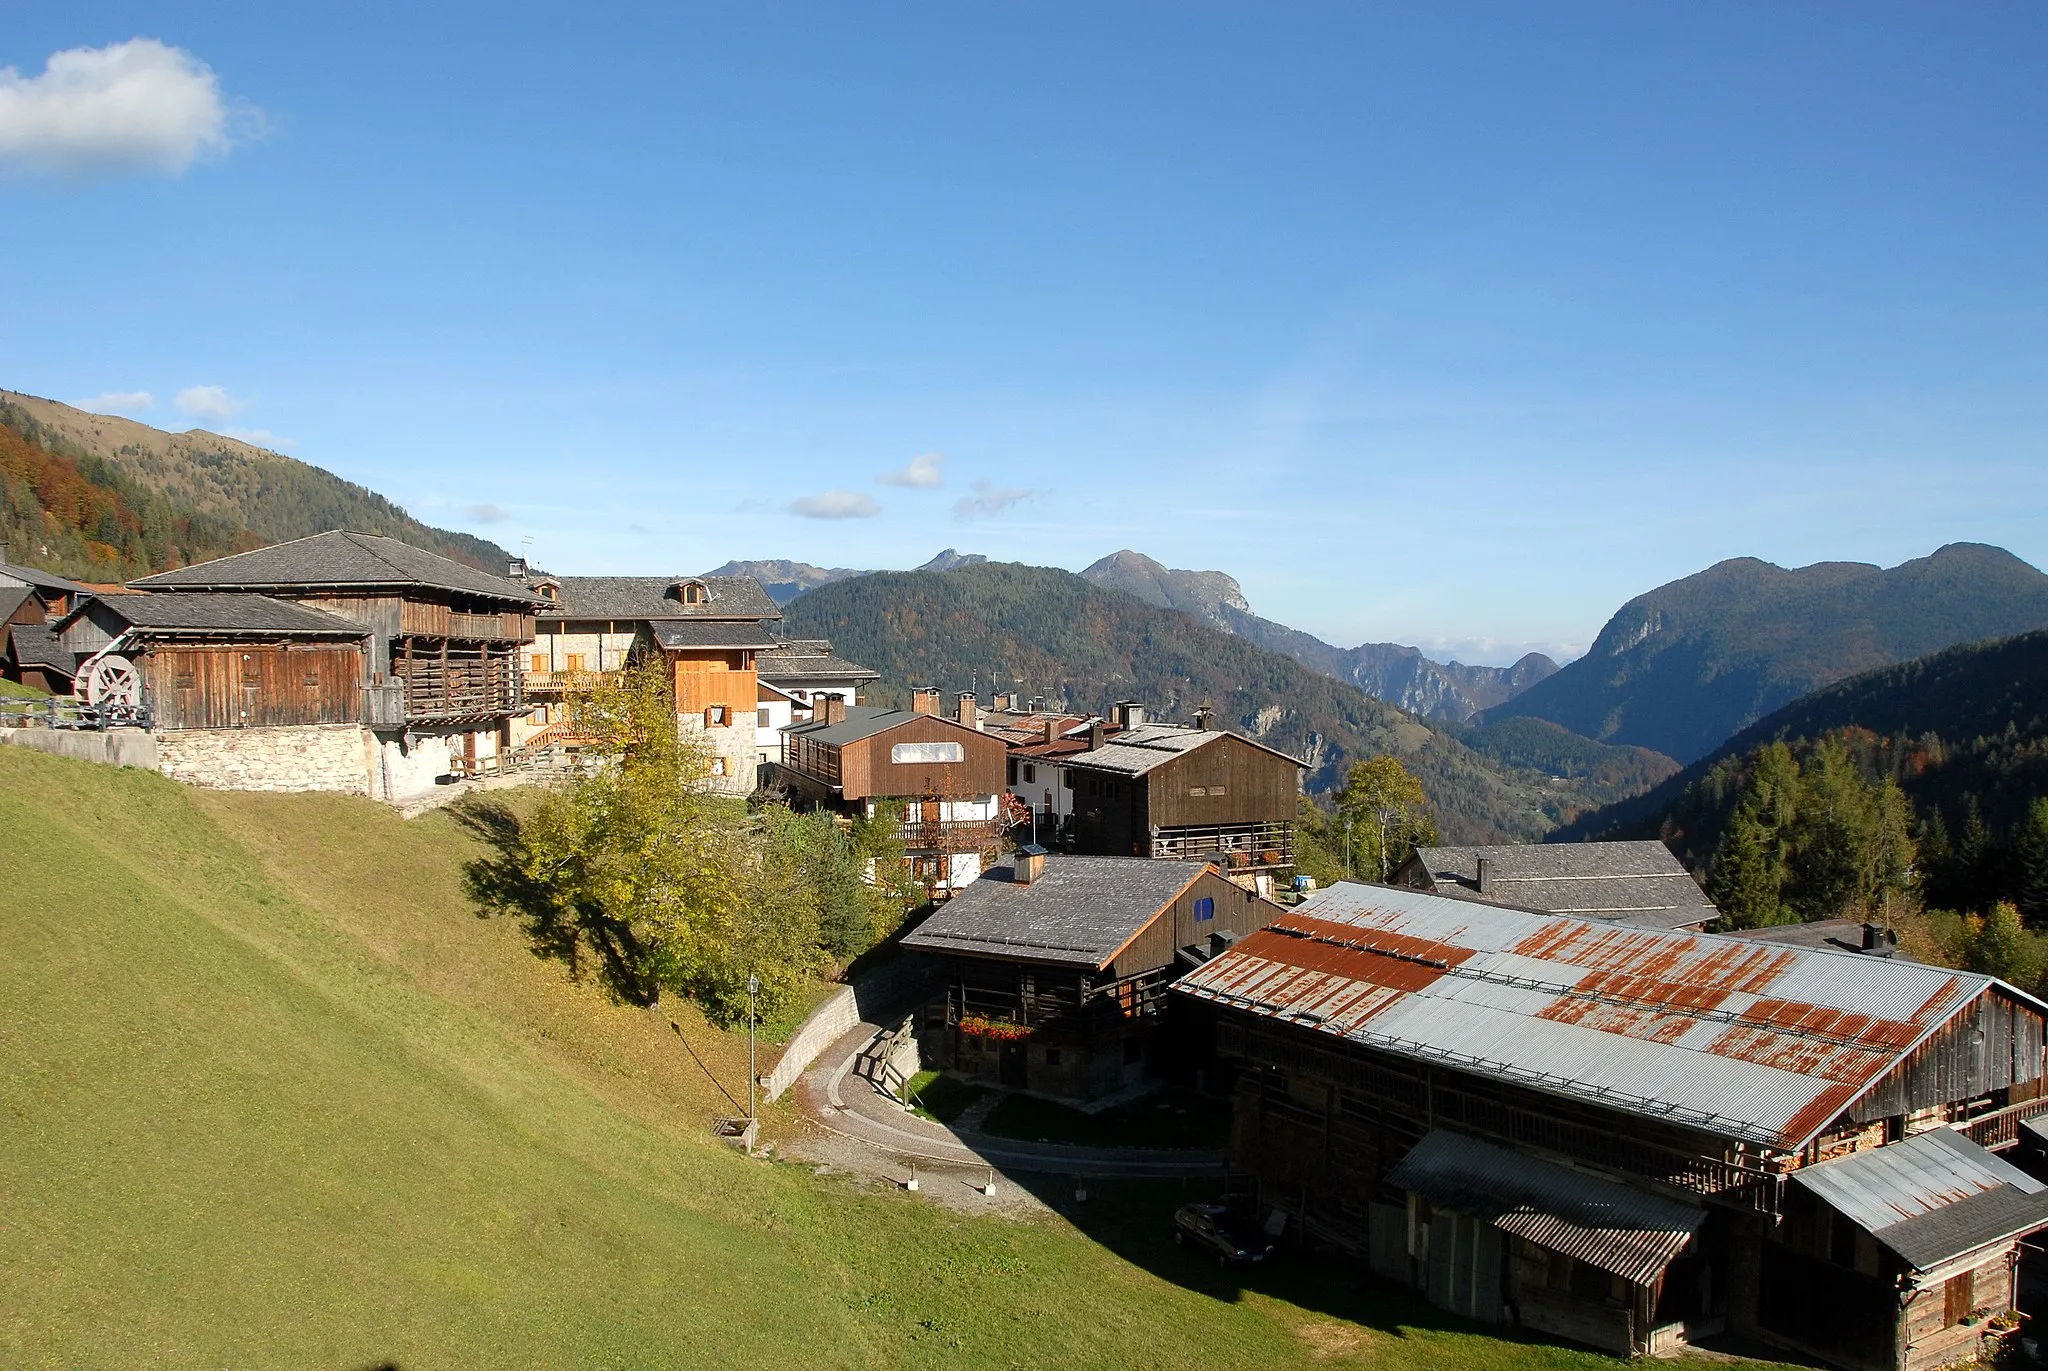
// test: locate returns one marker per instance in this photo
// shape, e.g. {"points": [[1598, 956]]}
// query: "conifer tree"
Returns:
{"points": [[2030, 864]]}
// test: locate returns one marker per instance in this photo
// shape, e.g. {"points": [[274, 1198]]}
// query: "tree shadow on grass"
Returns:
{"points": [[581, 936]]}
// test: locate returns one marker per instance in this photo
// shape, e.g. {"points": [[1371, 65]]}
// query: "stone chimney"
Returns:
{"points": [[1028, 864], [966, 710], [1052, 730], [1486, 875], [1000, 704], [830, 709], [925, 700]]}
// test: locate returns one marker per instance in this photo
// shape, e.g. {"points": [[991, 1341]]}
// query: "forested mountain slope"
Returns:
{"points": [[1400, 675], [1043, 631], [107, 499], [1684, 667], [1961, 731]]}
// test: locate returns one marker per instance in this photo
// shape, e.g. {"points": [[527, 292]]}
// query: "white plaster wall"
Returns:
{"points": [[402, 770]]}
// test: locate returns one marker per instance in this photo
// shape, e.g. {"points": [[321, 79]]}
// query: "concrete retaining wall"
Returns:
{"points": [[117, 747], [325, 757], [864, 999]]}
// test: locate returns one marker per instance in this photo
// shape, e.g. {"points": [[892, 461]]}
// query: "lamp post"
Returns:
{"points": [[753, 989], [1347, 847]]}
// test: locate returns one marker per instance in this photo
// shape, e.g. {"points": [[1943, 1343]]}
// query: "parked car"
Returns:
{"points": [[1222, 1229]]}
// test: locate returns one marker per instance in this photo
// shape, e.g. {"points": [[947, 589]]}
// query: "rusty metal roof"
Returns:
{"points": [[1931, 1198], [1603, 1222], [1762, 1043]]}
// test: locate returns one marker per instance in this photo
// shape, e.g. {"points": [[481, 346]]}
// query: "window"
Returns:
{"points": [[717, 716], [1215, 790], [913, 754], [1030, 773], [718, 766], [575, 661], [761, 719], [1205, 909], [1013, 771], [540, 663], [693, 594], [1198, 790]]}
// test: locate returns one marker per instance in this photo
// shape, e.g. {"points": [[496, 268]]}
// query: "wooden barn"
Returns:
{"points": [[1637, 882], [226, 661], [1632, 1137], [1173, 792], [946, 776], [443, 677], [1052, 971]]}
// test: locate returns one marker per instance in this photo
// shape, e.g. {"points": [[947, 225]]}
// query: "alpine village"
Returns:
{"points": [[1748, 1056]]}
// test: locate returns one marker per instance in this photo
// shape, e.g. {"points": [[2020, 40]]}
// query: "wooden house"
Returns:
{"points": [[1605, 1132], [442, 654], [54, 595], [1177, 792], [1051, 972], [806, 669], [945, 777], [708, 629], [1626, 882], [226, 661]]}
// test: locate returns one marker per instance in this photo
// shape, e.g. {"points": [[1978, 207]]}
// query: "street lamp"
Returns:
{"points": [[753, 989]]}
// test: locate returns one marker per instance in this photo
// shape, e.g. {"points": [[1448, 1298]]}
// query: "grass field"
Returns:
{"points": [[272, 1094]]}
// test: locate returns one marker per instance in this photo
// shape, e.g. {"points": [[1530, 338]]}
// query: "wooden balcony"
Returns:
{"points": [[456, 685], [1234, 847]]}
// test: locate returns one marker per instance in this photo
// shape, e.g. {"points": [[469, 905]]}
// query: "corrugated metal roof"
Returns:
{"points": [[1751, 1041], [1617, 1227], [1892, 1193]]}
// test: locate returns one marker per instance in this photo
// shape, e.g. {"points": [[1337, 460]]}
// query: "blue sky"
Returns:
{"points": [[1446, 325]]}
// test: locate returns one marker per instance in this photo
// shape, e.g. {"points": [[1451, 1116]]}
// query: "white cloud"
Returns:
{"points": [[117, 402], [487, 513], [209, 402], [261, 437], [988, 502], [138, 106], [923, 472], [836, 504]]}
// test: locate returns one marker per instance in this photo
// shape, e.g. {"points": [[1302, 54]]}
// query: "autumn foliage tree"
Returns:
{"points": [[1384, 807]]}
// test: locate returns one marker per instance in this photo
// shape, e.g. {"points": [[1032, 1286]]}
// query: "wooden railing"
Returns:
{"points": [[1240, 847], [2001, 1128]]}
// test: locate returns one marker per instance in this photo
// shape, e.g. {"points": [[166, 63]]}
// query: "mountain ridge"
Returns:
{"points": [[1043, 631], [1685, 666], [1402, 676]]}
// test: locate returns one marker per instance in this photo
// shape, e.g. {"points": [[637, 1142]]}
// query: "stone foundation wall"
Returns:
{"points": [[327, 757]]}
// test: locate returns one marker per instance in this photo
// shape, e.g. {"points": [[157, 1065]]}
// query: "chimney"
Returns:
{"points": [[925, 700], [1094, 734], [1000, 704], [965, 710], [829, 709], [1052, 730], [1486, 875], [1205, 718], [1028, 864], [1129, 714]]}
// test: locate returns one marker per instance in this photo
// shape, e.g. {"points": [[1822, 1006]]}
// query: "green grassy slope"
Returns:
{"points": [[273, 1095]]}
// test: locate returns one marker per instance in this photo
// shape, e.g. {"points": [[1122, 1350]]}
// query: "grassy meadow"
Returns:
{"points": [[273, 1094]]}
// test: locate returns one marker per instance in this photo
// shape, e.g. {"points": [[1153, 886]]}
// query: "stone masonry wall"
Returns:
{"points": [[310, 757]]}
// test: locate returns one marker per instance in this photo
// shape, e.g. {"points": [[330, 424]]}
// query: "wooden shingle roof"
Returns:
{"points": [[340, 558]]}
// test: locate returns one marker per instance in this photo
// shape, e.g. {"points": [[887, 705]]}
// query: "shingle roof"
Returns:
{"points": [[41, 580], [11, 598], [655, 597], [864, 721], [1080, 911], [1136, 751], [1637, 881], [339, 558], [1935, 1196], [1745, 1040], [809, 659], [1619, 1228], [687, 633], [222, 612], [36, 645]]}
